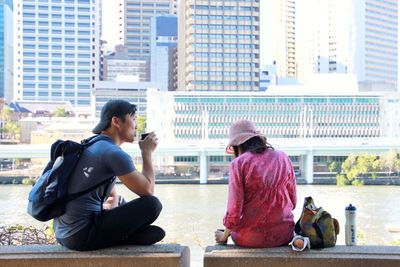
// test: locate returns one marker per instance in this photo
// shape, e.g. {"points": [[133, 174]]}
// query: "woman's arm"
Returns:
{"points": [[235, 197]]}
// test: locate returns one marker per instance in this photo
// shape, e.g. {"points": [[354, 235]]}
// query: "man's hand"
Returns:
{"points": [[112, 200], [148, 144]]}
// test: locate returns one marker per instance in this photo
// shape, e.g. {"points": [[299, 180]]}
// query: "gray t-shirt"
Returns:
{"points": [[101, 161]]}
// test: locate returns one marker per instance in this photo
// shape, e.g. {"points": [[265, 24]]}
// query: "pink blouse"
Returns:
{"points": [[262, 195]]}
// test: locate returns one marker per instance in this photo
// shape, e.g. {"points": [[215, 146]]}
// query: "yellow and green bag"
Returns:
{"points": [[318, 225]]}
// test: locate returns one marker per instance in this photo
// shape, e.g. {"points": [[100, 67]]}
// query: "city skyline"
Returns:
{"points": [[269, 38]]}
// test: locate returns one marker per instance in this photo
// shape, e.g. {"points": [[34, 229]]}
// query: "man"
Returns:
{"points": [[91, 223]]}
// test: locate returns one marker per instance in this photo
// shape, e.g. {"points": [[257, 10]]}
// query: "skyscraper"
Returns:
{"points": [[218, 45], [362, 41], [6, 55], [134, 24], [56, 50], [164, 57], [380, 59], [286, 38]]}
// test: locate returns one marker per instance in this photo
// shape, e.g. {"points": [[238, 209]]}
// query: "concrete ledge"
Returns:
{"points": [[339, 256], [169, 255]]}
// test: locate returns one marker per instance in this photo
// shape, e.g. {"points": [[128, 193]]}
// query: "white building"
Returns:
{"points": [[133, 92], [56, 50], [194, 116], [362, 40], [164, 54]]}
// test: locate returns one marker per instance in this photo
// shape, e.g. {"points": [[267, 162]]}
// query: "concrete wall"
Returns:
{"points": [[167, 255], [339, 256]]}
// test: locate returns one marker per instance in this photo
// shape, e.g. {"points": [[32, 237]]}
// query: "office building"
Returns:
{"points": [[56, 50], [218, 45], [164, 53]]}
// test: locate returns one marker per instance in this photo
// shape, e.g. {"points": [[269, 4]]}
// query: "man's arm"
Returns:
{"points": [[143, 183]]}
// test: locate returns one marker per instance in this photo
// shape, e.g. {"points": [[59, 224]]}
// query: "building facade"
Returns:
{"points": [[218, 45], [134, 24], [164, 52], [134, 92], [6, 50], [194, 116], [286, 39], [57, 48], [363, 40], [119, 65]]}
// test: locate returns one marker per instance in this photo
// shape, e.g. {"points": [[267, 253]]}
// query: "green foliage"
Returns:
{"points": [[60, 112], [28, 181], [333, 166], [12, 128], [390, 163], [361, 237], [5, 113], [141, 124], [357, 182], [356, 167], [395, 242], [342, 180]]}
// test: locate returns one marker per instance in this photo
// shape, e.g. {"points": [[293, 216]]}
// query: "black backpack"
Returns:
{"points": [[49, 195]]}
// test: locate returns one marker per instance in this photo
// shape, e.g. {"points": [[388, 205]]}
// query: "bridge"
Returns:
{"points": [[306, 148]]}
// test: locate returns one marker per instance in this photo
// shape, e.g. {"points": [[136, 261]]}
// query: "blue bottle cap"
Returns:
{"points": [[350, 207]]}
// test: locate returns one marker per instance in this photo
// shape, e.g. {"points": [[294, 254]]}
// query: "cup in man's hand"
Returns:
{"points": [[143, 136]]}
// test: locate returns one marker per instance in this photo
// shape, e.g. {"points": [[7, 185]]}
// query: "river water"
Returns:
{"points": [[191, 213]]}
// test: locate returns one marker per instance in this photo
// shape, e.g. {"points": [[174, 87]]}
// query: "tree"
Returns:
{"points": [[390, 163], [141, 124], [356, 166], [12, 129], [333, 166], [60, 112], [6, 124], [5, 114]]}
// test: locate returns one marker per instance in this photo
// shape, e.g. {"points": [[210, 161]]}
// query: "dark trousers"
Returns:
{"points": [[129, 224]]}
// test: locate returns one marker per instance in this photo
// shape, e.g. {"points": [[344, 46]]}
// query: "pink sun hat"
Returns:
{"points": [[240, 132]]}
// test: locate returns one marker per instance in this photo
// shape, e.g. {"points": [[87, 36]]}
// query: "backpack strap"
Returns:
{"points": [[297, 228], [91, 140]]}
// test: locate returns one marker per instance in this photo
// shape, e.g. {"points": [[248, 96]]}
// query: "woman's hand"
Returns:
{"points": [[221, 235]]}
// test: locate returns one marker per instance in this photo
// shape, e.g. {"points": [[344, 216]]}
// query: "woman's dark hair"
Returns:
{"points": [[255, 144]]}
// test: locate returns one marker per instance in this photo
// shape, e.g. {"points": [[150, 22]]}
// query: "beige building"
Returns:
{"points": [[286, 38], [218, 45], [118, 66], [134, 23], [46, 130]]}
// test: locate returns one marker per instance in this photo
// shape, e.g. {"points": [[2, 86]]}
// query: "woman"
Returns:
{"points": [[262, 191]]}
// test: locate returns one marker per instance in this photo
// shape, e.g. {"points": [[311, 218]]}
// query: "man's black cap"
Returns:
{"points": [[113, 108]]}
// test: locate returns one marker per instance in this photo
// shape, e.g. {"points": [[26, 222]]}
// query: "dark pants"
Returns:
{"points": [[129, 224]]}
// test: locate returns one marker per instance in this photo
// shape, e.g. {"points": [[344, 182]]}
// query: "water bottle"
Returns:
{"points": [[350, 226]]}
